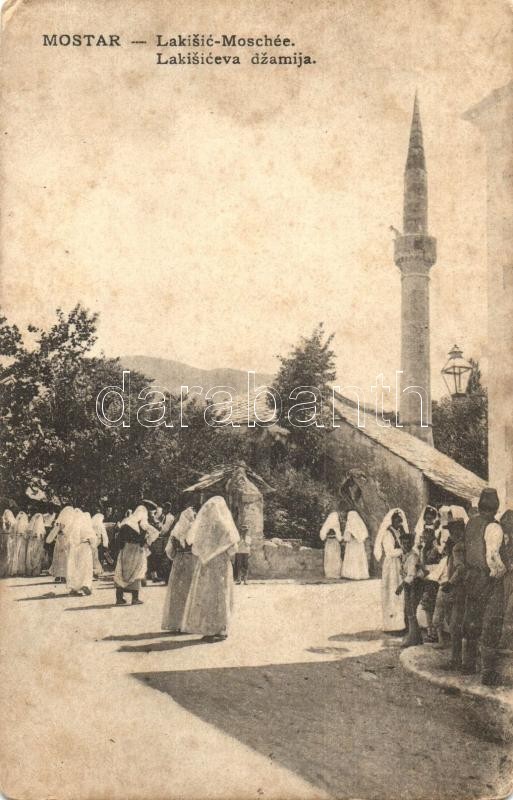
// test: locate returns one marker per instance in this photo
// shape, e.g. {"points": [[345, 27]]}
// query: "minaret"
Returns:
{"points": [[415, 254]]}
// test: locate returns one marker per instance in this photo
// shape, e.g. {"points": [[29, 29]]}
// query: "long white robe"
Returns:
{"points": [[7, 543], [392, 604], [80, 559], [214, 537], [21, 529], [331, 535], [355, 566], [35, 546]]}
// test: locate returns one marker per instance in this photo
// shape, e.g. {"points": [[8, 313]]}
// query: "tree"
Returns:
{"points": [[53, 441], [460, 426], [310, 364]]}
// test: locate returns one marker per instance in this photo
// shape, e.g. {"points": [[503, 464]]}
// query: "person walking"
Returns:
{"points": [[214, 537], [134, 538]]}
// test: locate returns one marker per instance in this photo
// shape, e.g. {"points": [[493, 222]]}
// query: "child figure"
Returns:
{"points": [[412, 585], [242, 556], [430, 542]]}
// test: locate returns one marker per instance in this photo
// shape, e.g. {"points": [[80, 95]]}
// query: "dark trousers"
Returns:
{"points": [[478, 589], [159, 565], [241, 567], [412, 596], [456, 623], [120, 592], [493, 618]]}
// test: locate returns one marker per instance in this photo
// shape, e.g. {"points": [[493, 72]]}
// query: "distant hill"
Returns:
{"points": [[173, 374]]}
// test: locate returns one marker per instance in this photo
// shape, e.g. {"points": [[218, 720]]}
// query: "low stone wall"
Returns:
{"points": [[490, 710], [278, 559]]}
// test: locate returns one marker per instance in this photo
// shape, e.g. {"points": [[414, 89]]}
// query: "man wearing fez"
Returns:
{"points": [[483, 539]]}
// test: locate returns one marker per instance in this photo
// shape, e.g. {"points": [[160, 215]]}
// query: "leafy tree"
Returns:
{"points": [[460, 426], [310, 364], [53, 440]]}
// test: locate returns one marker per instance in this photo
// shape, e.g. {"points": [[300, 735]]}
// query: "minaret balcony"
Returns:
{"points": [[415, 250]]}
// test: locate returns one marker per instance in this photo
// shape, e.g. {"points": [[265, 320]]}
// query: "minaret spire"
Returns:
{"points": [[415, 254], [416, 147], [415, 178]]}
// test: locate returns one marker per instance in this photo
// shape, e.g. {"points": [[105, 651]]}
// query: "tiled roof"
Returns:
{"points": [[437, 467], [223, 472]]}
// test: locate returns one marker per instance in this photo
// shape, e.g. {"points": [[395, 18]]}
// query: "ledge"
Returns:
{"points": [[492, 708]]}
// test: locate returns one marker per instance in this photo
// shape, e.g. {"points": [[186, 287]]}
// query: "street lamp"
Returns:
{"points": [[456, 373]]}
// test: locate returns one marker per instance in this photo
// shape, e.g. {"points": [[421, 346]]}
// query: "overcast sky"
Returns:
{"points": [[214, 214]]}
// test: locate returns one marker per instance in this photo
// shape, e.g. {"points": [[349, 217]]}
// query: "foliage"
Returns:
{"points": [[311, 364], [53, 441], [299, 506], [460, 426]]}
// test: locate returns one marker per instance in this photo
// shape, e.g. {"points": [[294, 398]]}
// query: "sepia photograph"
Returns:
{"points": [[256, 400]]}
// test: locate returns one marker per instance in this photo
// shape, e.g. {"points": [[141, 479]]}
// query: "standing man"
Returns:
{"points": [[483, 539]]}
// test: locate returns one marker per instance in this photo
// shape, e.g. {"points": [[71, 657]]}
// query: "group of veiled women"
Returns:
{"points": [[201, 547], [73, 539], [22, 543], [457, 571]]}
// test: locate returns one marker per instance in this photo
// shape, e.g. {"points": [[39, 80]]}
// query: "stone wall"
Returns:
{"points": [[390, 481], [277, 559]]}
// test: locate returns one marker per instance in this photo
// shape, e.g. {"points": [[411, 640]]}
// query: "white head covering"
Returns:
{"points": [[444, 512], [213, 531], [331, 523], [37, 526], [65, 516], [136, 517], [183, 525], [73, 527], [22, 523], [355, 527], [458, 512], [100, 530], [8, 520], [387, 521], [419, 527], [87, 531]]}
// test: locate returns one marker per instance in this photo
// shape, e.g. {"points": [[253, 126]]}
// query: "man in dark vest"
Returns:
{"points": [[496, 638], [483, 539]]}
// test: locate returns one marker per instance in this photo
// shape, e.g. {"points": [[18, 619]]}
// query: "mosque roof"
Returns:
{"points": [[437, 467]]}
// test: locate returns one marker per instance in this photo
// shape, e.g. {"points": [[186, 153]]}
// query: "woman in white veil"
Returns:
{"points": [[355, 566], [60, 535], [21, 530], [35, 546], [82, 537], [7, 543], [102, 543], [214, 538], [331, 535], [179, 551], [388, 546]]}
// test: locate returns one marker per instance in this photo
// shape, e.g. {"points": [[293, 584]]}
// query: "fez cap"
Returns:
{"points": [[489, 501]]}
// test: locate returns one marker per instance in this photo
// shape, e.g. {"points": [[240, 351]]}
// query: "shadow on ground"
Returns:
{"points": [[358, 727], [156, 647], [134, 637], [359, 636], [95, 607], [47, 596]]}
